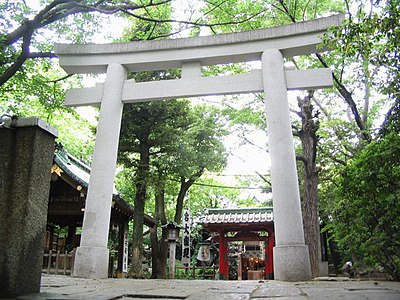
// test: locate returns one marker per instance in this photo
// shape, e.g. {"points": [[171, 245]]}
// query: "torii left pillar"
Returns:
{"points": [[91, 260]]}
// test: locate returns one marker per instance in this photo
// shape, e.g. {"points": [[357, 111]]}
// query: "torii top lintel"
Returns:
{"points": [[294, 39]]}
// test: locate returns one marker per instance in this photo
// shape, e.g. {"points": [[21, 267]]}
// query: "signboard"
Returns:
{"points": [[125, 250]]}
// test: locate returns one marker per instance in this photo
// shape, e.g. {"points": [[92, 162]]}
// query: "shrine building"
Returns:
{"points": [[67, 202], [253, 230]]}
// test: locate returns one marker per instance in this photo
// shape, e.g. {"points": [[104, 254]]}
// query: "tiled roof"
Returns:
{"points": [[239, 216], [75, 168], [80, 172]]}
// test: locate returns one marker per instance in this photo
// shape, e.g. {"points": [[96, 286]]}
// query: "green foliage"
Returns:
{"points": [[365, 51], [125, 184], [210, 193], [200, 146], [37, 84], [241, 15], [199, 273], [156, 124], [38, 87], [37, 91], [392, 120], [148, 24], [366, 210], [248, 113], [182, 138]]}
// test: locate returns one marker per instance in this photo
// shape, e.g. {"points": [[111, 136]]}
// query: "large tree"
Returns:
{"points": [[163, 140], [147, 130], [199, 149]]}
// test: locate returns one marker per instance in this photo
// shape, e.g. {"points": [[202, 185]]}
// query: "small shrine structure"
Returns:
{"points": [[247, 225]]}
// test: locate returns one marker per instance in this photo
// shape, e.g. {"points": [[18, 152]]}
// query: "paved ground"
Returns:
{"points": [[62, 287]]}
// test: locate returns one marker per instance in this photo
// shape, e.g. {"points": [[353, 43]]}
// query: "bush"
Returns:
{"points": [[366, 219]]}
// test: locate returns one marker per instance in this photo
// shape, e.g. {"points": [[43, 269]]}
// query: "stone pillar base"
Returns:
{"points": [[323, 269], [292, 263], [91, 262]]}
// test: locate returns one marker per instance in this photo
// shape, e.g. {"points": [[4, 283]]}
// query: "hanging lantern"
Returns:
{"points": [[204, 251]]}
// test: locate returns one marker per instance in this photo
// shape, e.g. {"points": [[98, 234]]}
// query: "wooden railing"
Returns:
{"points": [[55, 262], [202, 271]]}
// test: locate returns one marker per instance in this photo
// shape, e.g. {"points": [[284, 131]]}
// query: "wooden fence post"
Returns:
{"points": [[57, 260], [65, 262], [73, 261], [49, 261]]}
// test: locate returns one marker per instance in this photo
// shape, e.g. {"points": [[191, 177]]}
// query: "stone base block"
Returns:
{"points": [[292, 263], [91, 262], [26, 155], [323, 269]]}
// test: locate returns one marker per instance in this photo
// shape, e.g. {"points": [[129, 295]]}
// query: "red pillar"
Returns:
{"points": [[223, 257], [269, 261], [266, 258]]}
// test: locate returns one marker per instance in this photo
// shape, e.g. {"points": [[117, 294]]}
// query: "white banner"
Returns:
{"points": [[186, 240], [125, 250]]}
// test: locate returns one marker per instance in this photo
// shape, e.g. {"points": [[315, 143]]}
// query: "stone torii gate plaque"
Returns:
{"points": [[271, 46]]}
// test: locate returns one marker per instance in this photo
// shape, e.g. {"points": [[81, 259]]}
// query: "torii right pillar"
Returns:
{"points": [[291, 257]]}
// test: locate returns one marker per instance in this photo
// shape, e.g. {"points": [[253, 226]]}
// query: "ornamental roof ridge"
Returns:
{"points": [[211, 211], [238, 216]]}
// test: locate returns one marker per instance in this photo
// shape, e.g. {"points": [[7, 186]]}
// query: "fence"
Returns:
{"points": [[55, 262], [197, 272]]}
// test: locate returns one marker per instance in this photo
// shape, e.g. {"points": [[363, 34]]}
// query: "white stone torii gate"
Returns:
{"points": [[271, 45]]}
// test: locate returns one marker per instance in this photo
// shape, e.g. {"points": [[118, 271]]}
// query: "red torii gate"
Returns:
{"points": [[244, 223]]}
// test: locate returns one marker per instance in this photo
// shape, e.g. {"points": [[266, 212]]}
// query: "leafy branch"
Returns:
{"points": [[344, 92], [21, 38]]}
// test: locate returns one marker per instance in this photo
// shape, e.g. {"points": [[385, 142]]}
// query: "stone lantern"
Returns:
{"points": [[172, 231], [172, 237]]}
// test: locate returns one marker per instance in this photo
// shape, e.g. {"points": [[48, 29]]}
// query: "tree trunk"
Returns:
{"points": [[140, 198], [154, 252], [310, 197], [160, 247], [348, 97], [185, 185], [310, 220], [335, 254], [162, 256]]}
